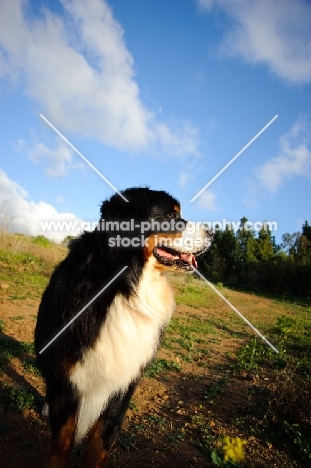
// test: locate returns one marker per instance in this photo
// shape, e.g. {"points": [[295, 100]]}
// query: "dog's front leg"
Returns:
{"points": [[104, 433], [62, 444]]}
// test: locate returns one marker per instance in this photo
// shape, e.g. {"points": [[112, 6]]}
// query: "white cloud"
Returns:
{"points": [[184, 178], [274, 33], [78, 69], [60, 199], [293, 159], [58, 160], [206, 4], [207, 201], [189, 171], [25, 215]]}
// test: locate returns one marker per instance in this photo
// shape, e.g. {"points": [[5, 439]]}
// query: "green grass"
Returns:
{"points": [[30, 366], [17, 399], [188, 337], [43, 241], [252, 355], [286, 401], [175, 438], [292, 337], [26, 275], [10, 348], [26, 264], [127, 440], [155, 419], [28, 347], [195, 296], [215, 388], [133, 406], [277, 409], [158, 366]]}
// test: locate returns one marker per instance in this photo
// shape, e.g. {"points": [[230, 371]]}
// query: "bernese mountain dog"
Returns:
{"points": [[92, 368]]}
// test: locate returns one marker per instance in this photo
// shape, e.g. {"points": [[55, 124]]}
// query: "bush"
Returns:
{"points": [[289, 402], [43, 241]]}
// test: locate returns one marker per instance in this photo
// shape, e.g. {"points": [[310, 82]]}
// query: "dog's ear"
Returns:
{"points": [[116, 208]]}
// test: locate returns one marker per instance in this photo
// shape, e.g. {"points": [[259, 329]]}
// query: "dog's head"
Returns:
{"points": [[151, 221]]}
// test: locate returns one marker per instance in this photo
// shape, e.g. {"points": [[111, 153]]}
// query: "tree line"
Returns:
{"points": [[253, 261]]}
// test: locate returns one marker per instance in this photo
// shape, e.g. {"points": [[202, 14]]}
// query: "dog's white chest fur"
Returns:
{"points": [[127, 342]]}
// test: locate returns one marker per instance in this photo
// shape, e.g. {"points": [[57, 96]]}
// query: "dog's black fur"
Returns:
{"points": [[88, 267]]}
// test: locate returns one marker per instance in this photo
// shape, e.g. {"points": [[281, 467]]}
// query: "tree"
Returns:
{"points": [[244, 260], [226, 243], [245, 250], [265, 244], [306, 230], [290, 242], [303, 256]]}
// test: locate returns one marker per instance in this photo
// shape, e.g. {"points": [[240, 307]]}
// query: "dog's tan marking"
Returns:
{"points": [[95, 456], [155, 240], [62, 445]]}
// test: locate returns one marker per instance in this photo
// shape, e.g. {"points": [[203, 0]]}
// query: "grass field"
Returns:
{"points": [[215, 395]]}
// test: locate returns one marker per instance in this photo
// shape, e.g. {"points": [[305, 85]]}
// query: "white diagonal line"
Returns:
{"points": [[83, 157], [234, 158], [236, 311], [83, 309]]}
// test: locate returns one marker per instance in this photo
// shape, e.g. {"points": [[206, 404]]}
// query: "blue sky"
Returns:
{"points": [[155, 93]]}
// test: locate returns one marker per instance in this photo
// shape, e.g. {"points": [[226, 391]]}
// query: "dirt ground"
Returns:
{"points": [[172, 417]]}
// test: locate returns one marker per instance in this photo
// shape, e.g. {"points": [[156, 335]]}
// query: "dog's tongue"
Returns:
{"points": [[166, 254], [190, 258]]}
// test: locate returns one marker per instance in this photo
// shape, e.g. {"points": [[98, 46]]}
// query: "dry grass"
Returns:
{"points": [[290, 398], [47, 252]]}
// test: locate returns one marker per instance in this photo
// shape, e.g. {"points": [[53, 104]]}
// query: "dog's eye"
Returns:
{"points": [[172, 215]]}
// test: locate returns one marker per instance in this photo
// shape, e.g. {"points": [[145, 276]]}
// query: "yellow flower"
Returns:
{"points": [[233, 449]]}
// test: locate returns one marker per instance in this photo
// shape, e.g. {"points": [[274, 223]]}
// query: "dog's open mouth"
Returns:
{"points": [[170, 257]]}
